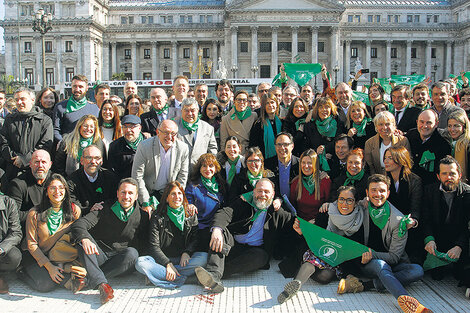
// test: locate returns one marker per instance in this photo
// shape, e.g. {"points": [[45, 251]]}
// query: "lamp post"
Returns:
{"points": [[234, 70], [42, 24], [254, 69], [336, 69], [200, 68]]}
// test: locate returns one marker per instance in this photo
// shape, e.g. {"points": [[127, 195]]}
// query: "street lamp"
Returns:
{"points": [[234, 69], [200, 68], [336, 69], [254, 69], [42, 24]]}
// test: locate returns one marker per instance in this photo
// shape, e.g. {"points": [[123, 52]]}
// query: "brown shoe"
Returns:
{"points": [[106, 293], [350, 284], [78, 283], [3, 286], [410, 305]]}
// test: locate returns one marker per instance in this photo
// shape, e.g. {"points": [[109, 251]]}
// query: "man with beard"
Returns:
{"points": [[243, 236], [3, 110], [159, 111], [90, 185], [421, 96], [262, 89], [441, 104], [306, 93], [344, 99], [27, 189], [445, 221], [67, 112], [224, 93], [464, 95]]}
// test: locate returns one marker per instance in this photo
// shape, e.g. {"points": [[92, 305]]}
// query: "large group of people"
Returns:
{"points": [[192, 185]]}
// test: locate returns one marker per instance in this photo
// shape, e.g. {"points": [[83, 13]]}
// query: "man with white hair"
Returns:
{"points": [[344, 97], [130, 88], [159, 111]]}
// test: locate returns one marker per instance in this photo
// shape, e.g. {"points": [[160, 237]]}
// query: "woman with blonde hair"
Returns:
{"points": [[458, 135], [359, 124]]}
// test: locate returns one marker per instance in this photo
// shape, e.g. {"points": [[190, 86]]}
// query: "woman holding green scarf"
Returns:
{"points": [[46, 227], [173, 241], [294, 123], [109, 122], [231, 159], [69, 152], [359, 124], [268, 124]]}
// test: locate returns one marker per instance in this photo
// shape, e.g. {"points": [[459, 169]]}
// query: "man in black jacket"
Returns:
{"points": [[90, 185], [405, 115], [243, 238], [109, 240]]}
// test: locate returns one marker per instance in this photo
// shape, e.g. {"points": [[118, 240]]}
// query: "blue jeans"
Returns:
{"points": [[392, 278], [156, 273]]}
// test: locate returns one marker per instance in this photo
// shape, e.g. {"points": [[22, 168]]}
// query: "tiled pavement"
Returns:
{"points": [[255, 292]]}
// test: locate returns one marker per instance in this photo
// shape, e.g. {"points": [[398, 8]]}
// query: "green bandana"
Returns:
{"points": [[308, 183], [163, 110], [191, 127], [440, 259], [327, 127], [248, 196], [54, 219], [134, 144], [380, 215], [427, 161], [120, 212], [176, 216], [241, 115], [254, 179], [153, 202], [352, 180], [299, 122], [323, 162], [84, 142], [99, 189], [361, 128], [74, 105], [108, 125], [402, 229], [210, 184], [233, 169], [270, 137]]}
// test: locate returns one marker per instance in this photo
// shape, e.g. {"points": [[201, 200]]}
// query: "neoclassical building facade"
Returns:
{"points": [[158, 39]]}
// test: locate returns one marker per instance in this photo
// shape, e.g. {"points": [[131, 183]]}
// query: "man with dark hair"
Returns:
{"points": [[3, 111], [441, 104], [445, 221], [102, 92], [108, 240], [343, 144], [405, 115], [464, 95], [306, 93], [289, 93], [224, 93], [67, 112], [263, 89], [421, 96], [201, 91]]}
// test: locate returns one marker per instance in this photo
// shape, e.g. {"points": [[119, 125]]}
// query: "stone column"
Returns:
{"points": [[214, 58], [428, 65], [135, 70], [16, 52], [88, 55], [234, 44], [448, 68], [314, 51], [368, 48], [334, 58], [347, 61], [105, 55], [9, 69], [59, 69], [274, 59], [388, 59], [254, 48], [114, 57], [174, 67], [39, 79], [295, 40], [194, 52], [408, 57], [466, 50], [155, 60]]}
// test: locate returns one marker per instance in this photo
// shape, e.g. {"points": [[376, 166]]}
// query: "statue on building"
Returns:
{"points": [[221, 73], [357, 65]]}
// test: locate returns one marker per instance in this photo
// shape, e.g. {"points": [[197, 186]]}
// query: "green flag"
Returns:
{"points": [[385, 83], [410, 80], [360, 96], [459, 79], [302, 73], [330, 247]]}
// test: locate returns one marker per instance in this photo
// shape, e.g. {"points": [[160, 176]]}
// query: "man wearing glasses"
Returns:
{"points": [[159, 160]]}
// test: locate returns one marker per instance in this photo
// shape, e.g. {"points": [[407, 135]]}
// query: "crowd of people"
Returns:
{"points": [[191, 185]]}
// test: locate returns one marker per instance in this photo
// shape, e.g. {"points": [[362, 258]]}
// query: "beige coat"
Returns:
{"points": [[237, 128], [372, 152]]}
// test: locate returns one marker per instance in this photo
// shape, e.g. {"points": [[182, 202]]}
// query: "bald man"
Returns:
{"points": [[159, 111]]}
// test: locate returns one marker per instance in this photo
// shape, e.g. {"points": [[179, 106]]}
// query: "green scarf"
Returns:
{"points": [[241, 115], [323, 162], [308, 183], [352, 180], [361, 128], [427, 161], [120, 212], [210, 184], [74, 105], [299, 122], [233, 169], [440, 259], [153, 202], [248, 196], [380, 215], [191, 127], [402, 229], [269, 137], [327, 127], [54, 219], [162, 110], [83, 143], [134, 144], [176, 216], [108, 125], [253, 179]]}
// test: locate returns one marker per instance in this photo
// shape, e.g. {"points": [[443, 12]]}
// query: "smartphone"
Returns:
{"points": [[365, 70]]}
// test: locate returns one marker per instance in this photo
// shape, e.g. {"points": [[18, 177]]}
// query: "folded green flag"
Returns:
{"points": [[410, 80], [459, 79], [385, 83], [361, 96], [302, 73], [440, 259], [330, 247]]}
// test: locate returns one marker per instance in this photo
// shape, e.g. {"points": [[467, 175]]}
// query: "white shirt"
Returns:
{"points": [[382, 152], [164, 171]]}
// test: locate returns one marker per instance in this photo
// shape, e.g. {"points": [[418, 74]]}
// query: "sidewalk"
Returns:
{"points": [[255, 292]]}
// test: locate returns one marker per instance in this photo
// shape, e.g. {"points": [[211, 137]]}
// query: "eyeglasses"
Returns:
{"points": [[253, 161], [283, 144], [56, 188], [130, 125], [95, 158], [263, 90], [346, 200], [165, 133], [241, 100]]}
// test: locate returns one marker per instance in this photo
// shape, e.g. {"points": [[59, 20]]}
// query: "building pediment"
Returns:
{"points": [[282, 5]]}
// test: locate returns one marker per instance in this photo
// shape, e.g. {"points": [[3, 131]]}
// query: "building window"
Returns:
{"points": [[265, 46], [357, 18], [131, 20], [27, 47], [29, 75], [377, 18], [428, 18], [48, 8], [166, 53], [301, 46], [209, 18], [50, 76], [69, 74], [143, 19], [127, 54], [150, 19], [206, 52], [373, 52], [284, 45], [370, 18], [243, 46], [397, 18], [354, 53], [409, 18], [413, 53], [186, 53], [170, 19], [433, 53], [147, 76], [187, 74], [393, 53], [350, 18], [123, 19], [373, 75], [416, 19], [264, 71], [436, 18], [389, 18], [321, 46], [182, 19], [69, 46], [166, 75], [190, 18], [146, 53], [202, 18], [48, 46], [27, 10]]}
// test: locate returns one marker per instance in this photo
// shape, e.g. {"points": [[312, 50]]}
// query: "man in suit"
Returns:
{"points": [[197, 134], [344, 97], [441, 104], [160, 111], [180, 90], [159, 160], [405, 115]]}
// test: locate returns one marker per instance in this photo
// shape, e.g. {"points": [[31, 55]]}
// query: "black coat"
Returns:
{"points": [[408, 119], [408, 198], [150, 122], [313, 139], [288, 125], [360, 186], [257, 135], [10, 228], [360, 142], [120, 158], [272, 164], [241, 184]]}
